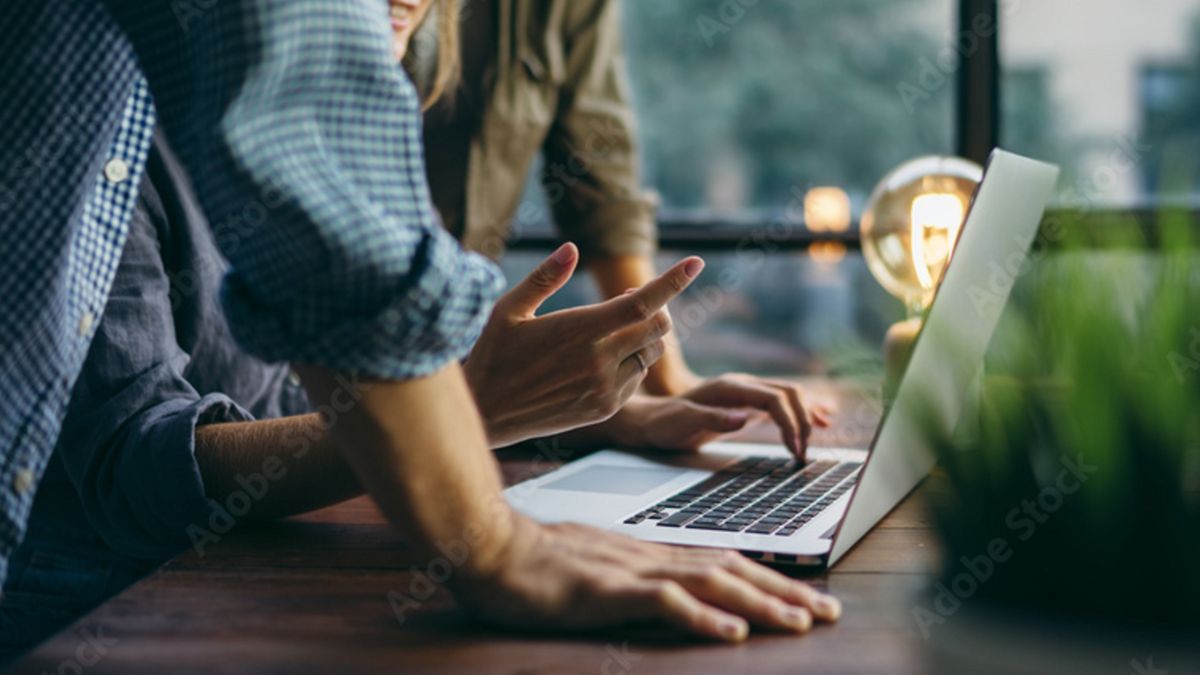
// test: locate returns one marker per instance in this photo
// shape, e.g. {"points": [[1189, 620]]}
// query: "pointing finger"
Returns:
{"points": [[645, 302]]}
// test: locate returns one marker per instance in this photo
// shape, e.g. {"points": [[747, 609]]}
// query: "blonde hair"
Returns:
{"points": [[449, 57]]}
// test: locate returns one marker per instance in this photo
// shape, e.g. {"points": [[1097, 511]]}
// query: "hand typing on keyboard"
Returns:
{"points": [[717, 407]]}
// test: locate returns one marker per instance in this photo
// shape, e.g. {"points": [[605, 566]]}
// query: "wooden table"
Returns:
{"points": [[310, 594]]}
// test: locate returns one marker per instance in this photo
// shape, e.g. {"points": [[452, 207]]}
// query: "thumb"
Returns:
{"points": [[544, 281]]}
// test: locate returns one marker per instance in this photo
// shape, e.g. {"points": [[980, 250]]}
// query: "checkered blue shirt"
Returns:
{"points": [[302, 137]]}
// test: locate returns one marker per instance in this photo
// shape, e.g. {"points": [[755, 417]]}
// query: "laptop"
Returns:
{"points": [[756, 498]]}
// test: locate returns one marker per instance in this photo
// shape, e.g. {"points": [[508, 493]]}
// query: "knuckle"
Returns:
{"points": [[600, 583], [711, 577], [781, 401], [662, 323], [656, 348], [541, 278], [639, 310], [678, 282], [730, 559], [665, 592]]}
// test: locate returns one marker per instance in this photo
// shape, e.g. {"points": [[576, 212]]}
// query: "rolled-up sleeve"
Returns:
{"points": [[604, 208], [128, 439], [133, 463], [302, 136]]}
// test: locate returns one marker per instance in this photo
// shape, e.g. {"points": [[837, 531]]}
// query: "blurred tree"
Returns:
{"points": [[786, 94]]}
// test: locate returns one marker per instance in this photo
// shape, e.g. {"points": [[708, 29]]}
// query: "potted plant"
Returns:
{"points": [[1070, 519]]}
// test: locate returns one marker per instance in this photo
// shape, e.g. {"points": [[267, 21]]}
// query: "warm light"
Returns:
{"points": [[911, 223], [827, 252], [827, 209], [936, 219]]}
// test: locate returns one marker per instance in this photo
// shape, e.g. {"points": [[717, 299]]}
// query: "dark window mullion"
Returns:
{"points": [[978, 110]]}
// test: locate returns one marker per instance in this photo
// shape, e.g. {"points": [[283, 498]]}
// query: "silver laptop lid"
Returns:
{"points": [[1000, 228]]}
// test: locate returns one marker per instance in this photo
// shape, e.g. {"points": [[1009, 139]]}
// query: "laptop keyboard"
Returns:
{"points": [[757, 495]]}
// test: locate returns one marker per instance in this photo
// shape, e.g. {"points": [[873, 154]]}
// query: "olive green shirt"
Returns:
{"points": [[540, 76]]}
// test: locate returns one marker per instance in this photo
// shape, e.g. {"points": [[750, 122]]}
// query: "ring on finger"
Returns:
{"points": [[641, 361]]}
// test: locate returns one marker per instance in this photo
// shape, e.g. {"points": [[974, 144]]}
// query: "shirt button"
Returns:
{"points": [[116, 170], [85, 324], [23, 482], [294, 379]]}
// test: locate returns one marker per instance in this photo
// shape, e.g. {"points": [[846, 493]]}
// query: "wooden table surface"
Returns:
{"points": [[311, 594]]}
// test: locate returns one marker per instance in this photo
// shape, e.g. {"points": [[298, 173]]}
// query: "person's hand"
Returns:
{"points": [[668, 423], [671, 376], [716, 407], [574, 578], [783, 401], [536, 376]]}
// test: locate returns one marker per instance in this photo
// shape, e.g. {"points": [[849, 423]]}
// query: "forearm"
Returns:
{"points": [[418, 448], [616, 274], [293, 457]]}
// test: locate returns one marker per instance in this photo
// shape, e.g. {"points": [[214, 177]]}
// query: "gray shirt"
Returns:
{"points": [[162, 362]]}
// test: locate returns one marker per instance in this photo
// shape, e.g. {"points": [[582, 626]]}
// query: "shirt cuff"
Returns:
{"points": [[159, 479], [436, 316]]}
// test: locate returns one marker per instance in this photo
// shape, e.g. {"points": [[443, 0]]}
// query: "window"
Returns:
{"points": [[742, 105], [743, 109], [1110, 90], [1170, 129]]}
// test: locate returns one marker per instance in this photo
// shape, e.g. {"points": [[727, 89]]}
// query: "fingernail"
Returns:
{"points": [[830, 607], [693, 267], [797, 617], [732, 630], [564, 255]]}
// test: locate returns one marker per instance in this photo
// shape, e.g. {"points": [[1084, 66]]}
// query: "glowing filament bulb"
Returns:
{"points": [[936, 219]]}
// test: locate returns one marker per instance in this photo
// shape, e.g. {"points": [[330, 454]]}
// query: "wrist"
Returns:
{"points": [[668, 378], [627, 428], [493, 552]]}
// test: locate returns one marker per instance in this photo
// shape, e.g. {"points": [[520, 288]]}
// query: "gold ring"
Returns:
{"points": [[641, 360]]}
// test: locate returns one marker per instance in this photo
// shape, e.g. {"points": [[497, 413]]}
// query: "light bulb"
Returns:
{"points": [[911, 224], [827, 209], [935, 221]]}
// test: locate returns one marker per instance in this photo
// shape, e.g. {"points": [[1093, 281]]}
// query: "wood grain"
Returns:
{"points": [[311, 595]]}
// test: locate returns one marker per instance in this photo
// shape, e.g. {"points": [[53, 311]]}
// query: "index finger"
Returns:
{"points": [[645, 302]]}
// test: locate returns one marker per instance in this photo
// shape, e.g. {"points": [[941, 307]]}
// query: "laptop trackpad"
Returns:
{"points": [[621, 480]]}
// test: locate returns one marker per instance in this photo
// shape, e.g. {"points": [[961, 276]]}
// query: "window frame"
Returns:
{"points": [[977, 119]]}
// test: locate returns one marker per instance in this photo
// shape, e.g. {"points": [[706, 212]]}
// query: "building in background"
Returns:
{"points": [[1098, 77]]}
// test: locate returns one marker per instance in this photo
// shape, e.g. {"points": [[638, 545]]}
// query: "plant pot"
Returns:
{"points": [[993, 641]]}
